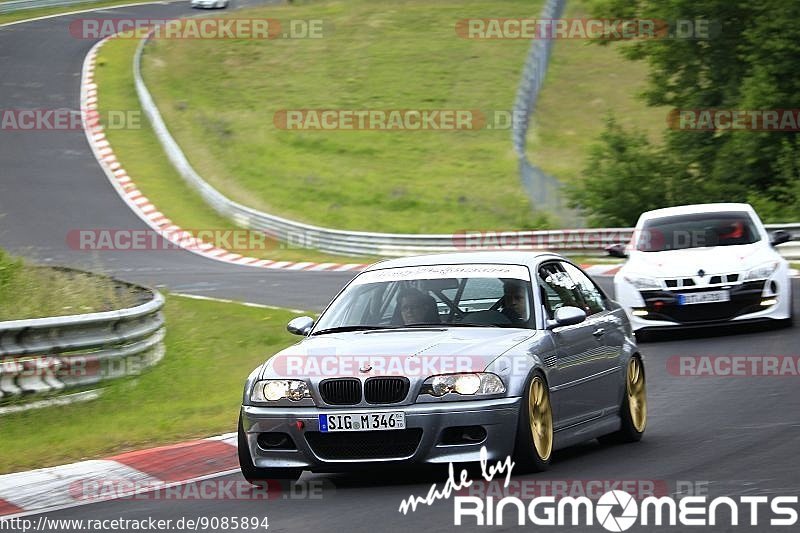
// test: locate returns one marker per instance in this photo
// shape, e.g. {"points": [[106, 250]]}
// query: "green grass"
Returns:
{"points": [[44, 11], [219, 98], [585, 82], [194, 392], [33, 292], [140, 153]]}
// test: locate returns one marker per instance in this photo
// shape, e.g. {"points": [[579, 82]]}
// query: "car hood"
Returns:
{"points": [[713, 260], [439, 350]]}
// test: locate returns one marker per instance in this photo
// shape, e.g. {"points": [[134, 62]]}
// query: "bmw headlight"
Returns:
{"points": [[643, 282], [272, 390], [472, 384], [761, 272]]}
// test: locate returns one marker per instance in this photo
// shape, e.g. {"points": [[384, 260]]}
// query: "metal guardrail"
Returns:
{"points": [[355, 243], [543, 189], [343, 242], [22, 5], [49, 355], [790, 250]]}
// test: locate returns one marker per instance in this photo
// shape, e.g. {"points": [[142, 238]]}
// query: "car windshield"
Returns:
{"points": [[697, 230], [433, 296]]}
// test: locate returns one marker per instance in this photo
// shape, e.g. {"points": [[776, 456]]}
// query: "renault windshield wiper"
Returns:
{"points": [[341, 329]]}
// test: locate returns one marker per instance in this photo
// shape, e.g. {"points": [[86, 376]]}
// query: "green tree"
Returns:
{"points": [[747, 62], [625, 176]]}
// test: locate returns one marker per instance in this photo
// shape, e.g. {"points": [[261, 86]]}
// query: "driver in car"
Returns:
{"points": [[417, 307]]}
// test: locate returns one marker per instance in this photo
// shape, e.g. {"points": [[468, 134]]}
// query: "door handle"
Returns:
{"points": [[598, 332]]}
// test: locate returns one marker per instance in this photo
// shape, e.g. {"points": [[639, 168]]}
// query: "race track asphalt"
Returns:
{"points": [[50, 182], [730, 435]]}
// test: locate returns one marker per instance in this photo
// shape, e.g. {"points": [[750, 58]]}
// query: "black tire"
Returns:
{"points": [[261, 476], [527, 457], [628, 431]]}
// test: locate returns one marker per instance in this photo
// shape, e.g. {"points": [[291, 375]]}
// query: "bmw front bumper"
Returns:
{"points": [[424, 441]]}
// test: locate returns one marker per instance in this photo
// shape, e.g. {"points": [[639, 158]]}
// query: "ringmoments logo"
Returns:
{"points": [[618, 510], [615, 510]]}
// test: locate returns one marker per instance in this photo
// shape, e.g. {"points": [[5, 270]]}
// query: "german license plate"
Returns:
{"points": [[362, 421], [704, 297]]}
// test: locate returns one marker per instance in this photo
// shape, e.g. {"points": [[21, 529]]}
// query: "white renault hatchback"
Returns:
{"points": [[705, 264]]}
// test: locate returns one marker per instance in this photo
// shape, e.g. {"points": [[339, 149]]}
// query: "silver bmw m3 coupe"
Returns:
{"points": [[443, 358]]}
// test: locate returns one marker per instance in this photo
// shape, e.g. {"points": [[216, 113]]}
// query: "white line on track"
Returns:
{"points": [[227, 301]]}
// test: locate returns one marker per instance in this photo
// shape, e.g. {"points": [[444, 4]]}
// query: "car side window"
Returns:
{"points": [[558, 289], [592, 298]]}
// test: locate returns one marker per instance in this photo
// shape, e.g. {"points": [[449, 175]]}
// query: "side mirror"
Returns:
{"points": [[779, 237], [567, 316], [300, 325], [616, 250]]}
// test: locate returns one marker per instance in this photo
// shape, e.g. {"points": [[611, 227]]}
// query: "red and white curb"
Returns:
{"points": [[144, 208], [125, 475]]}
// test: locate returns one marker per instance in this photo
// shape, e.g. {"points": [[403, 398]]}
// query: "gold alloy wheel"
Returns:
{"points": [[637, 394], [541, 418]]}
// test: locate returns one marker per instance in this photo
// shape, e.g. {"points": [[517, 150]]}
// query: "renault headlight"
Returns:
{"points": [[472, 384], [761, 272], [272, 390], [643, 282]]}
